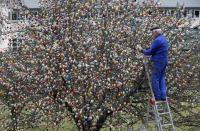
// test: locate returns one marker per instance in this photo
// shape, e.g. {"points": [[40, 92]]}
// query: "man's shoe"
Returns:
{"points": [[152, 101]]}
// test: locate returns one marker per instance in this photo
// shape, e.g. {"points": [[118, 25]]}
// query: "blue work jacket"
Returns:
{"points": [[158, 49]]}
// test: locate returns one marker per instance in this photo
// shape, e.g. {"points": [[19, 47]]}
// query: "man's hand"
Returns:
{"points": [[138, 47], [138, 51]]}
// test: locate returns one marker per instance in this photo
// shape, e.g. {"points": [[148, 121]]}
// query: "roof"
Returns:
{"points": [[31, 3], [175, 3]]}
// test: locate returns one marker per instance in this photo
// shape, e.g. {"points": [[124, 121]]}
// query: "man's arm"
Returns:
{"points": [[152, 49]]}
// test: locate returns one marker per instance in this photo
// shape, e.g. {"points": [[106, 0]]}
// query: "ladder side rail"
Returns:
{"points": [[148, 114], [156, 117], [158, 120], [170, 115], [145, 61]]}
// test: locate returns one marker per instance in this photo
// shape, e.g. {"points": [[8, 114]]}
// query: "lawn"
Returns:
{"points": [[69, 126]]}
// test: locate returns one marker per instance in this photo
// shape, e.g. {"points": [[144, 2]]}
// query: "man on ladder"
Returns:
{"points": [[158, 51]]}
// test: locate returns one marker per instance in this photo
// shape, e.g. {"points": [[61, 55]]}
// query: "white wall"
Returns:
{"points": [[31, 3], [187, 3], [173, 3], [9, 28], [4, 39]]}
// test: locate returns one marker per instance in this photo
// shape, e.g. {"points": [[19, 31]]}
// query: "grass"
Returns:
{"points": [[69, 126]]}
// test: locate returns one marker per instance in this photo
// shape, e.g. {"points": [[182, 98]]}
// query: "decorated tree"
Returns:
{"points": [[79, 61]]}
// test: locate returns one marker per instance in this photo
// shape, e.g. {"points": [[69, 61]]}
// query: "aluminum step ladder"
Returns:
{"points": [[159, 110]]}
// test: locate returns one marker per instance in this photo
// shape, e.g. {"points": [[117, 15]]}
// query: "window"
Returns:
{"points": [[9, 16], [14, 16], [35, 13], [14, 44], [196, 13], [185, 13], [192, 12], [172, 12]]}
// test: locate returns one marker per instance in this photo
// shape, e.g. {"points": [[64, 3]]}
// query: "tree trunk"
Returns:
{"points": [[14, 123], [99, 124]]}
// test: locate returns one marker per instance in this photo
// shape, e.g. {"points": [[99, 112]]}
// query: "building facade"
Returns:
{"points": [[13, 22], [191, 8]]}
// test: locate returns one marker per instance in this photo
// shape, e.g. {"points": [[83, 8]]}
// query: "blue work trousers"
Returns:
{"points": [[158, 80]]}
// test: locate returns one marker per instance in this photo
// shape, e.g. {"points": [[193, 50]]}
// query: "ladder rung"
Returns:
{"points": [[158, 102], [160, 110], [164, 113], [167, 124]]}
